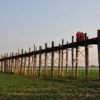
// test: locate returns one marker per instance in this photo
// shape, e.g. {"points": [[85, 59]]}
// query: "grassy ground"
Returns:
{"points": [[20, 88]]}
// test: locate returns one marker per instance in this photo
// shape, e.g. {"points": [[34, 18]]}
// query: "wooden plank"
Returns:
{"points": [[52, 61], [86, 59], [98, 35]]}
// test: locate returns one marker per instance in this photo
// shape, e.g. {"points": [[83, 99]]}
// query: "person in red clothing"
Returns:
{"points": [[80, 36]]}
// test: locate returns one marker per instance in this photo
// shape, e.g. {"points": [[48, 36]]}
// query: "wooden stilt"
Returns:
{"points": [[9, 66], [1, 64], [72, 58], [46, 63], [59, 62], [29, 62], [12, 63], [21, 66], [25, 71], [98, 35], [76, 70], [62, 57], [35, 63], [7, 63], [52, 61], [32, 64], [86, 59], [67, 61], [40, 64], [18, 63]]}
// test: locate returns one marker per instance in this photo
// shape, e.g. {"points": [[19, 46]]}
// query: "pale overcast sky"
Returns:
{"points": [[27, 22]]}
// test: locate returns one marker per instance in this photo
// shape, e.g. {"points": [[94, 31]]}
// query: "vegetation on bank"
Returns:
{"points": [[14, 87]]}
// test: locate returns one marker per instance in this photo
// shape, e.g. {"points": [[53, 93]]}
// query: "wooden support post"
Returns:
{"points": [[62, 59], [7, 62], [72, 58], [9, 66], [98, 35], [29, 62], [46, 63], [32, 64], [1, 64], [52, 60], [35, 66], [67, 61], [4, 63], [21, 66], [59, 62], [40, 64], [86, 59], [25, 71], [18, 64], [76, 70], [35, 63], [14, 64], [3, 67], [12, 61]]}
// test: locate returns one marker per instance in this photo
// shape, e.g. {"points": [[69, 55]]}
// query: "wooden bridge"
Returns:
{"points": [[41, 63]]}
